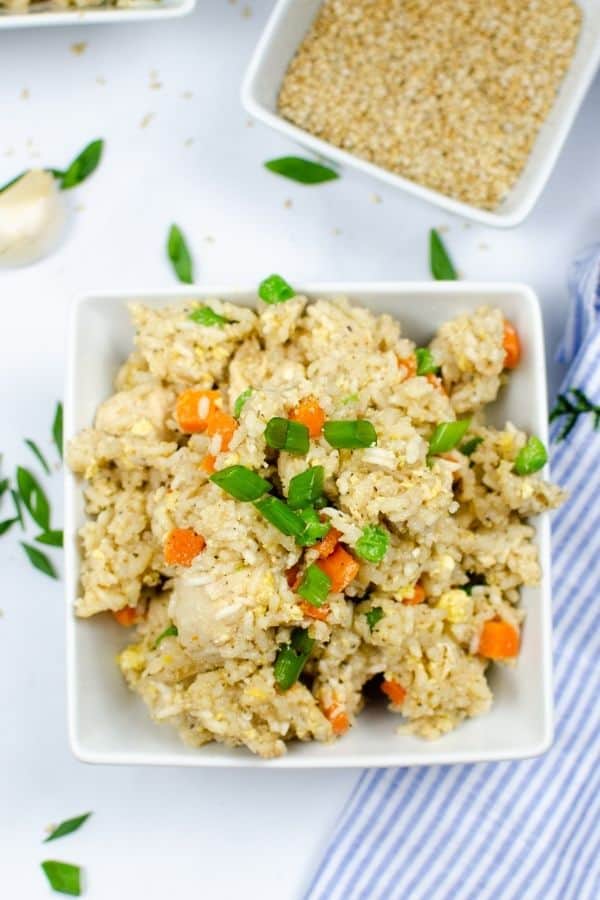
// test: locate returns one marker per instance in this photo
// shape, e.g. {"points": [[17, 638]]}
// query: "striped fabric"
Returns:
{"points": [[527, 830]]}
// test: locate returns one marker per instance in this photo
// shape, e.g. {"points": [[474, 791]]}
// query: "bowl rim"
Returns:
{"points": [[95, 15], [72, 486], [522, 208]]}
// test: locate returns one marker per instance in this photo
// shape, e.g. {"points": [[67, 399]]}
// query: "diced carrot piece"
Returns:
{"points": [[327, 545], [208, 464], [126, 616], [394, 691], [308, 412], [293, 576], [341, 567], [193, 409], [417, 596], [437, 383], [221, 423], [314, 612], [409, 363], [498, 640], [512, 346], [338, 718], [182, 546]]}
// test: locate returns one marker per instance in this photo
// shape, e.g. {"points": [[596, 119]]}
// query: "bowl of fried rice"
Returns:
{"points": [[308, 526]]}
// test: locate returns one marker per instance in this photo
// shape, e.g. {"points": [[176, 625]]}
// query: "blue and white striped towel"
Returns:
{"points": [[526, 830]]}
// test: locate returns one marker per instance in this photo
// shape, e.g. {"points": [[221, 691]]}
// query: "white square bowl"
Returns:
{"points": [[143, 9], [285, 31], [110, 724]]}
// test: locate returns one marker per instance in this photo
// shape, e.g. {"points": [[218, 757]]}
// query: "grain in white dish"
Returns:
{"points": [[449, 94], [452, 521]]}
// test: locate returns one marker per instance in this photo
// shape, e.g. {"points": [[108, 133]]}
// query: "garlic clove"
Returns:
{"points": [[32, 218]]}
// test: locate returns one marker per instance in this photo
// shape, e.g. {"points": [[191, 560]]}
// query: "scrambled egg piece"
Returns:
{"points": [[457, 605]]}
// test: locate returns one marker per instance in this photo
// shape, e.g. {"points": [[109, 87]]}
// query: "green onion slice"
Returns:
{"points": [[426, 364], [241, 402], [373, 616], [204, 315], [531, 458], [275, 289], [440, 263], [53, 538], [241, 483], [281, 516], [34, 498], [475, 580], [315, 586], [447, 435], [314, 529], [39, 560], [284, 434], [171, 631], [302, 170], [469, 447], [7, 524], [292, 658], [67, 827], [57, 428], [306, 488], [38, 454], [373, 543], [350, 435], [64, 878], [301, 641]]}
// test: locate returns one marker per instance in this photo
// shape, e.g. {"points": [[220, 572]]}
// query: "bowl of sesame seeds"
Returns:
{"points": [[463, 104]]}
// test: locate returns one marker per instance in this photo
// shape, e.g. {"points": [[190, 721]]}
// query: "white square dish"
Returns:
{"points": [[109, 724], [144, 9], [282, 36]]}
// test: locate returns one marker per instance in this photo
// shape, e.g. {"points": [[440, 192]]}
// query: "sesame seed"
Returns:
{"points": [[450, 94]]}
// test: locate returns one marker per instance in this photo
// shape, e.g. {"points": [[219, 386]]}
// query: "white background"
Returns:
{"points": [[173, 833]]}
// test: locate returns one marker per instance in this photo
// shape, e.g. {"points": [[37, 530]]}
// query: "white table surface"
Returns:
{"points": [[160, 833]]}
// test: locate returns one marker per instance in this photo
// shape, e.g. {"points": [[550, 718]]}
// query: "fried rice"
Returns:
{"points": [[218, 619]]}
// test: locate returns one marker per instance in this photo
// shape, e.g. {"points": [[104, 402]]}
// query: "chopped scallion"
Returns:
{"points": [[288, 666], [7, 524], [34, 498], [67, 827], [171, 631], [447, 435], [38, 454], [204, 315], [241, 483], [285, 434], [275, 289], [315, 586], [306, 487], [531, 458], [469, 447], [314, 529], [350, 435], [241, 401], [373, 616], [57, 428], [51, 538], [64, 878], [281, 516], [39, 560], [301, 641], [426, 364], [440, 263]]}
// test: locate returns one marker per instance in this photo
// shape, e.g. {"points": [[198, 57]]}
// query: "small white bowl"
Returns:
{"points": [[144, 9], [282, 36], [110, 724]]}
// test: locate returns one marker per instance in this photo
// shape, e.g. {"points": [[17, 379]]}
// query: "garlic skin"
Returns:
{"points": [[32, 218]]}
